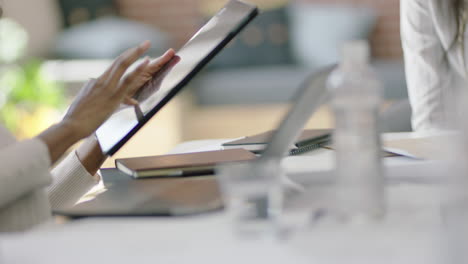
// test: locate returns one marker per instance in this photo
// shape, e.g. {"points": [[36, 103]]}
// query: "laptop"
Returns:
{"points": [[190, 59]]}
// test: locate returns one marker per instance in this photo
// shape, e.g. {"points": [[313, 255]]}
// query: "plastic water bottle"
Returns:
{"points": [[355, 99]]}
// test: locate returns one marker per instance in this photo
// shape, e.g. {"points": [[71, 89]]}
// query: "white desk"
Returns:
{"points": [[410, 235], [207, 239]]}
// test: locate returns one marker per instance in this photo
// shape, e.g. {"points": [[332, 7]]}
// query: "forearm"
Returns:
{"points": [[90, 155], [59, 138]]}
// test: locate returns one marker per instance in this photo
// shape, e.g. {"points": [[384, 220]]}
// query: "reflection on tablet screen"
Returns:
{"points": [[198, 48], [151, 94], [189, 60], [124, 120]]}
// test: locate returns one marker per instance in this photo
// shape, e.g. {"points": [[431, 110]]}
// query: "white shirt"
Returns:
{"points": [[28, 189], [434, 66]]}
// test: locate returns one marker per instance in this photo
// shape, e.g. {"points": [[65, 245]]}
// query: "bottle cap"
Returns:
{"points": [[355, 52]]}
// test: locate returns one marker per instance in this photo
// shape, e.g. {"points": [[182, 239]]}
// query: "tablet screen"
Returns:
{"points": [[190, 59]]}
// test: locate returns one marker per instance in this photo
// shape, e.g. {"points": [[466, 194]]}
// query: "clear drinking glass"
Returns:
{"points": [[247, 190]]}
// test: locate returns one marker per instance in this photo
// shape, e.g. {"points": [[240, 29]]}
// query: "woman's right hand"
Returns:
{"points": [[100, 97], [96, 101]]}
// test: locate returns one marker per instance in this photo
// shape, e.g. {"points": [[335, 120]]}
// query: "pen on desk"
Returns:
{"points": [[138, 112]]}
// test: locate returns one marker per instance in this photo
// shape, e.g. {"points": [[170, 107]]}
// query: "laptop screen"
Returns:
{"points": [[190, 59], [311, 94]]}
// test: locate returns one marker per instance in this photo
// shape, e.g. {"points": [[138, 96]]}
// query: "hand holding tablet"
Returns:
{"points": [[153, 80], [176, 73], [100, 97]]}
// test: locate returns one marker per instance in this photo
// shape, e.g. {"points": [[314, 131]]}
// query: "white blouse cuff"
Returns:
{"points": [[71, 182]]}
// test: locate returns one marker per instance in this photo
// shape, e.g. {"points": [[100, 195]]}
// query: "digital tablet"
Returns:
{"points": [[190, 59]]}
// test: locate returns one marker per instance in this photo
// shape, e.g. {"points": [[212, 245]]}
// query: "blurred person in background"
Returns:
{"points": [[434, 44], [28, 189]]}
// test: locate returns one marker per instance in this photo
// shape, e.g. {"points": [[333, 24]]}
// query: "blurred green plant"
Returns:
{"points": [[28, 91], [28, 98]]}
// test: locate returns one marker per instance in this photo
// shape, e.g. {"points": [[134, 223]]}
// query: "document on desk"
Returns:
{"points": [[429, 148]]}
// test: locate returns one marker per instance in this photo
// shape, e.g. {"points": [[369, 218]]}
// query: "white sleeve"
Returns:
{"points": [[24, 169], [427, 70], [70, 182]]}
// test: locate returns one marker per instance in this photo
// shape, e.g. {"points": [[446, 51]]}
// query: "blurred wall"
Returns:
{"points": [[181, 17], [39, 17], [386, 42]]}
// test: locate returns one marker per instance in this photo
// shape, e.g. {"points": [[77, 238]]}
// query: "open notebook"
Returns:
{"points": [[309, 139]]}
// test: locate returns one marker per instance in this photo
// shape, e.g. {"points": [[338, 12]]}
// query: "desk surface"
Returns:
{"points": [[410, 234], [209, 239]]}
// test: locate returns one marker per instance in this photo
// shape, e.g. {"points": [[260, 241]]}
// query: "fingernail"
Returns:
{"points": [[145, 43], [131, 101], [145, 60]]}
